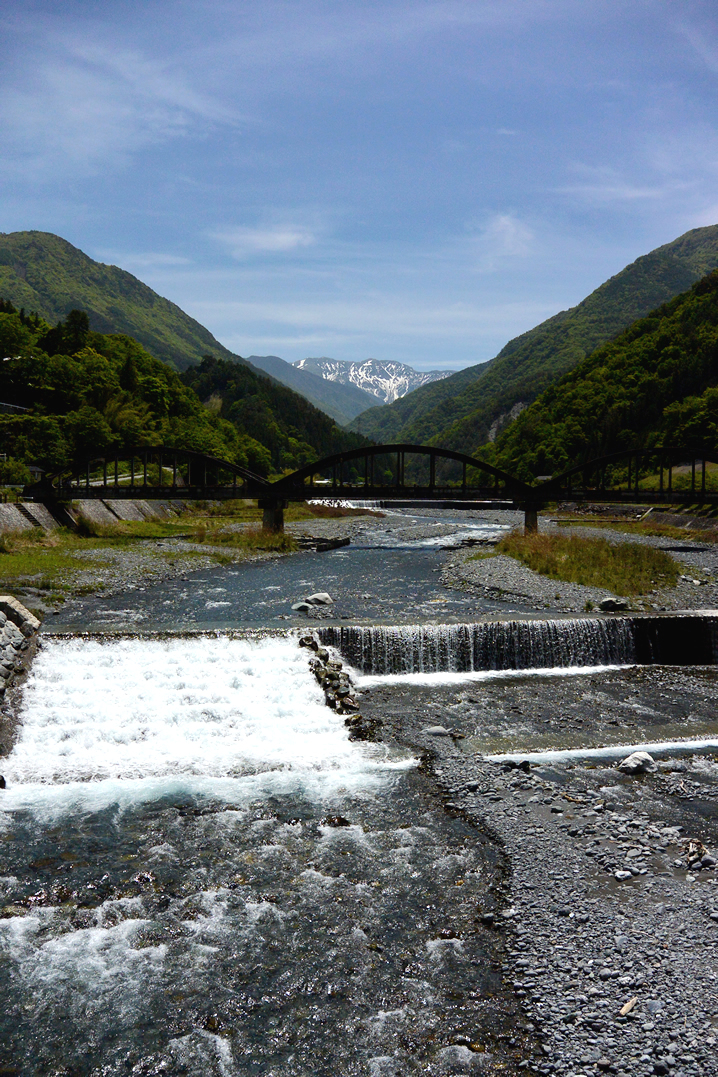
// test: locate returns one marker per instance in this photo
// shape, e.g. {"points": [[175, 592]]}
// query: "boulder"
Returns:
{"points": [[637, 763], [301, 607], [321, 598], [16, 614], [611, 605], [436, 731]]}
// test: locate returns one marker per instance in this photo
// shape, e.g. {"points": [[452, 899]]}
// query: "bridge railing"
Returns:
{"points": [[667, 473], [157, 471]]}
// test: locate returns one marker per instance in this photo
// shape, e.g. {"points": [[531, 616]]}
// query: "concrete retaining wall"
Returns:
{"points": [[28, 514]]}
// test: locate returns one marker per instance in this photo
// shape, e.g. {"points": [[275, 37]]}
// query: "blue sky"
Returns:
{"points": [[416, 181]]}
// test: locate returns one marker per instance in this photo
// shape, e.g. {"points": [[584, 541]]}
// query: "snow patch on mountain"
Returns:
{"points": [[385, 380]]}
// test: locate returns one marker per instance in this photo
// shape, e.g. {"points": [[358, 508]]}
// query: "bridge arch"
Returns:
{"points": [[291, 486], [662, 459], [149, 470]]}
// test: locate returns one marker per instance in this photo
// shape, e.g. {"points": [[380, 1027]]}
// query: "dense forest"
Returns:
{"points": [[473, 405], [87, 392], [655, 384]]}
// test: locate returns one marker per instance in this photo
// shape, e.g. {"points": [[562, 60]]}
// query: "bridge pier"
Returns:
{"points": [[530, 519], [272, 513]]}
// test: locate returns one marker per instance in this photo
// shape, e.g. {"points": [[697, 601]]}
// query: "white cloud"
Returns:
{"points": [[504, 237], [403, 316], [277, 239], [85, 105]]}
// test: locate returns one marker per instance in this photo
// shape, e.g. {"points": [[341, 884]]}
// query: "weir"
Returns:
{"points": [[688, 639]]}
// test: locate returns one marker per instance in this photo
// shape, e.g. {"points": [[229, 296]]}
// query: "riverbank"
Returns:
{"points": [[62, 573], [612, 942], [501, 577]]}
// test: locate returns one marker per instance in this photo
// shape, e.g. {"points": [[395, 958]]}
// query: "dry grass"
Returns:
{"points": [[624, 568], [252, 538], [639, 527]]}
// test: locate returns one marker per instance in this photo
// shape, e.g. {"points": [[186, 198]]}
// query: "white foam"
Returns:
{"points": [[610, 751], [126, 720], [371, 680], [77, 968]]}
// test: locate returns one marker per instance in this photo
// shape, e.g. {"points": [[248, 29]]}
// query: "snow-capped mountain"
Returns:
{"points": [[385, 380]]}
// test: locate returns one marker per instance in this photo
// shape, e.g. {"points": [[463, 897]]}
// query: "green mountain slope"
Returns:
{"points": [[42, 272], [460, 411], [76, 392], [342, 402], [654, 384]]}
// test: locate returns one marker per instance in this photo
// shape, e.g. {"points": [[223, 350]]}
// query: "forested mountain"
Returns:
{"points": [[294, 429], [89, 392], [654, 384], [470, 407], [42, 272], [342, 402]]}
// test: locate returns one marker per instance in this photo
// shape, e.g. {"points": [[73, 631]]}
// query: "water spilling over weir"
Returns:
{"points": [[202, 875], [534, 644]]}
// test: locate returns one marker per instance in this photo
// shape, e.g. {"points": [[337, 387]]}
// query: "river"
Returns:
{"points": [[202, 874]]}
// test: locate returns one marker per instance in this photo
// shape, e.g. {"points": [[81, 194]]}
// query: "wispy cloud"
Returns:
{"points": [[87, 105], [145, 260], [504, 237], [605, 185], [276, 239]]}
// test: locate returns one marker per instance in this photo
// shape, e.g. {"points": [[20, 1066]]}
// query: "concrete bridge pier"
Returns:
{"points": [[272, 513], [530, 519]]}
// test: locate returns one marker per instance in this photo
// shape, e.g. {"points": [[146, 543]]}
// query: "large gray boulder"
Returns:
{"points": [[637, 763]]}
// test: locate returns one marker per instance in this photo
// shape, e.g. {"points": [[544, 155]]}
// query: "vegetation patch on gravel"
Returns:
{"points": [[624, 568], [251, 538]]}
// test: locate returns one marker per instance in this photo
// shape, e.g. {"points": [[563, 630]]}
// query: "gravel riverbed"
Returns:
{"points": [[501, 576], [611, 941]]}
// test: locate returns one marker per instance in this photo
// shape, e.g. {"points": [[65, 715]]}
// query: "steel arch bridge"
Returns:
{"points": [[414, 473], [150, 473]]}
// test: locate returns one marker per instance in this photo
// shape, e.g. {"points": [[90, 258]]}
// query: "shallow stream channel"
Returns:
{"points": [[206, 871]]}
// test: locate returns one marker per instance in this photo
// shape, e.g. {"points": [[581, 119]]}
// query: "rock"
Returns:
{"points": [[15, 613], [321, 598], [708, 862], [637, 763], [620, 875], [436, 731], [335, 820], [2, 782], [308, 641], [301, 607], [609, 605]]}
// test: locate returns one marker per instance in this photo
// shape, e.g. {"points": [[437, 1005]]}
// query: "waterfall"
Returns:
{"points": [[588, 641]]}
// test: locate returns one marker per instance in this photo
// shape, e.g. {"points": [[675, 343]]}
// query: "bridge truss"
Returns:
{"points": [[415, 473]]}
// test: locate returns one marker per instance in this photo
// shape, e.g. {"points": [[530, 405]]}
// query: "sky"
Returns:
{"points": [[416, 181]]}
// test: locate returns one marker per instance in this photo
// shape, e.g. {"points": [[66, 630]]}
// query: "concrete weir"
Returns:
{"points": [[642, 639]]}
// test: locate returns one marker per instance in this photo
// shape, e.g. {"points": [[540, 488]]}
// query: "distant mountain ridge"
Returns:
{"points": [[384, 379], [465, 410], [342, 402]]}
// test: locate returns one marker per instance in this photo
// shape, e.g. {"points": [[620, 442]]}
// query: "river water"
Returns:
{"points": [[389, 575], [201, 874]]}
